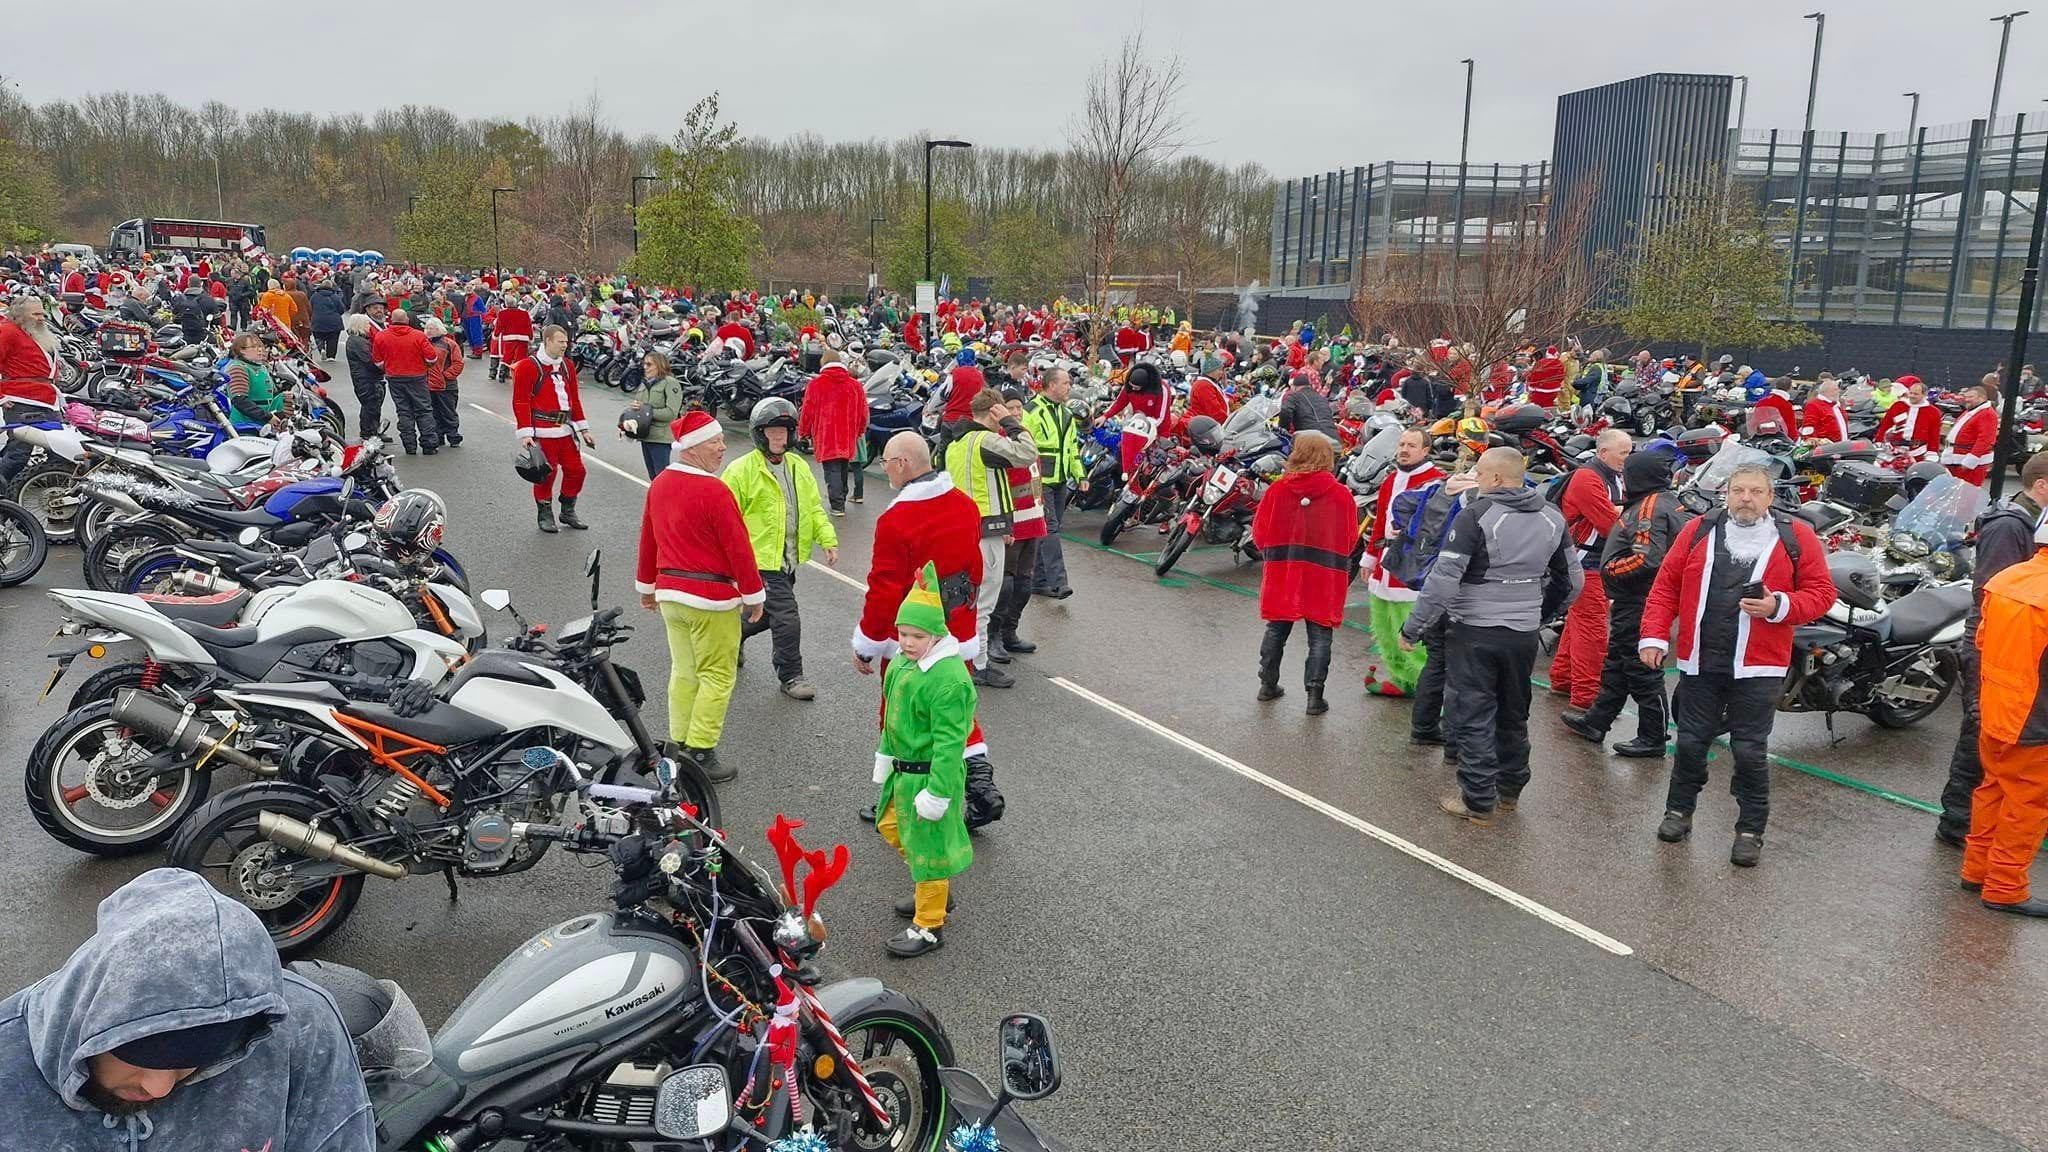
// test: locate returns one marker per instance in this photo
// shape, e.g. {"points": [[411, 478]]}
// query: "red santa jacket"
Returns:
{"points": [[1589, 507], [834, 414], [1546, 378], [694, 547], [538, 389], [513, 326], [1822, 419], [1131, 341], [1780, 404], [913, 333], [1970, 444], [403, 351], [1915, 425], [1763, 647], [1205, 398], [1380, 582], [929, 521], [731, 330], [28, 375], [1304, 529], [1152, 404]]}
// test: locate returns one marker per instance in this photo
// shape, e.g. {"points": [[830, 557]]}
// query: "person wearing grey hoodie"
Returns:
{"points": [[174, 1027], [1507, 565]]}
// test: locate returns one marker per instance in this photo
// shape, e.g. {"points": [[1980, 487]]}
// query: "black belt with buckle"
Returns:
{"points": [[551, 418], [956, 592], [706, 577], [913, 767]]}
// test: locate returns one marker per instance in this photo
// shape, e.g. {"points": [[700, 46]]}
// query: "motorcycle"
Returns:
{"points": [[1930, 538], [1894, 662], [680, 1013], [1221, 504], [1158, 484]]}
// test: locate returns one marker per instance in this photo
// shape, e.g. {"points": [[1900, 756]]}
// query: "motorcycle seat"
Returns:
{"points": [[216, 611], [214, 636], [246, 517], [443, 724], [1919, 614]]}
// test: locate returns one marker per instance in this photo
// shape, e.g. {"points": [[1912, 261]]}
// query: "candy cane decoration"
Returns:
{"points": [[831, 1031]]}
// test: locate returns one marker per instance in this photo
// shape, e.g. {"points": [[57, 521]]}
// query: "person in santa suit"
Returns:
{"points": [[1390, 601], [930, 521], [1144, 394], [548, 412], [1778, 402], [1592, 503], [28, 376], [513, 330], [1822, 419], [1130, 341], [1974, 437], [913, 333], [1305, 526], [697, 568], [1912, 422], [734, 330], [1546, 379], [1205, 396]]}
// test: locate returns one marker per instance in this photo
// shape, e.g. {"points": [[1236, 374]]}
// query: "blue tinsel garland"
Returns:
{"points": [[801, 1142], [975, 1138]]}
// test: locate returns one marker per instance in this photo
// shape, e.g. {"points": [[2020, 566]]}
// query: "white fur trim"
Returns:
{"points": [[883, 766], [1649, 642], [703, 435], [755, 597], [645, 589], [679, 466], [675, 595], [978, 748], [938, 485], [1784, 608], [868, 648]]}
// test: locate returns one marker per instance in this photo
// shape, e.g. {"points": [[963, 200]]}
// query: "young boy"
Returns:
{"points": [[928, 711]]}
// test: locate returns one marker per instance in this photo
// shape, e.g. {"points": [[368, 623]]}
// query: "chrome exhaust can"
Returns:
{"points": [[307, 840]]}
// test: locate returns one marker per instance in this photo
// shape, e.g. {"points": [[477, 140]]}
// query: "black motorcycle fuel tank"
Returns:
{"points": [[583, 981]]}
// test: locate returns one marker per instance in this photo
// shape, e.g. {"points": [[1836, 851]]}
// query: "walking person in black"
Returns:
{"points": [[1650, 520], [1506, 567]]}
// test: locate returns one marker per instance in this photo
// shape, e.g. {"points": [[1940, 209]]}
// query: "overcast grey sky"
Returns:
{"points": [[1297, 88]]}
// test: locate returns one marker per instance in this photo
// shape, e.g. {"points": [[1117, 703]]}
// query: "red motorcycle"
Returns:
{"points": [[1156, 487], [1219, 510]]}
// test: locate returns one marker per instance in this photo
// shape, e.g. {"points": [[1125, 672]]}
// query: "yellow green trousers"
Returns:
{"points": [[703, 656], [931, 894]]}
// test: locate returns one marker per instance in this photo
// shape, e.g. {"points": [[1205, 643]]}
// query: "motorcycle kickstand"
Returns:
{"points": [[1833, 739], [448, 874]]}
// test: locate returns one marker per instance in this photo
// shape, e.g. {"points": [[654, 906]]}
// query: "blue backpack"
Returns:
{"points": [[1419, 526]]}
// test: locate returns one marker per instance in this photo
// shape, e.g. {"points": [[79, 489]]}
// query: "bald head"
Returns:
{"points": [[1501, 468], [905, 458]]}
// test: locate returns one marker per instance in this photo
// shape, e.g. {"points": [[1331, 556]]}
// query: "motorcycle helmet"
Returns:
{"points": [[1178, 358], [636, 420], [531, 464], [1920, 475], [965, 358], [1206, 434], [412, 521], [773, 412], [1857, 582], [1142, 377]]}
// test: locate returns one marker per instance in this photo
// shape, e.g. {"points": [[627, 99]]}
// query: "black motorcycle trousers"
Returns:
{"points": [[778, 616], [1426, 715], [416, 427], [370, 407], [1708, 705], [1315, 672], [1965, 769], [1624, 676], [1020, 563], [1051, 575], [447, 411], [15, 456], [1486, 708], [840, 475]]}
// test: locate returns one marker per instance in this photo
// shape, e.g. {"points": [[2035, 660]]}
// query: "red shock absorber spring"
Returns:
{"points": [[152, 674]]}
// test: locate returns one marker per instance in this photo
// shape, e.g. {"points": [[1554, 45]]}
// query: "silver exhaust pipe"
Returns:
{"points": [[184, 730], [307, 840]]}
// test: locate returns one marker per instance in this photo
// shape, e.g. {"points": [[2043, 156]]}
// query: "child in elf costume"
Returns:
{"points": [[927, 713]]}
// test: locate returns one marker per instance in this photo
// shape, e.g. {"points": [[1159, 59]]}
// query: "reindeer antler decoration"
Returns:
{"points": [[824, 870]]}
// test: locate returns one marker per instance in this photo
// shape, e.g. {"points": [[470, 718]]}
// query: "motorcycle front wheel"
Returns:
{"points": [[900, 1047], [220, 842], [23, 546], [107, 560], [1119, 515], [1177, 544], [90, 787]]}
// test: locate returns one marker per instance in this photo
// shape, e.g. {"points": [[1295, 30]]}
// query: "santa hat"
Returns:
{"points": [[1906, 381], [694, 428]]}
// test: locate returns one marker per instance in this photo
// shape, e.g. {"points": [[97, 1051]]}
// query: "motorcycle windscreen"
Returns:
{"points": [[1943, 511]]}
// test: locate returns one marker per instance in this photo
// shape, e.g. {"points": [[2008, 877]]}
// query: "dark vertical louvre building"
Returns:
{"points": [[1631, 146]]}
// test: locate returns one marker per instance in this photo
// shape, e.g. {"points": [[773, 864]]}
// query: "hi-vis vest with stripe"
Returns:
{"points": [[988, 485]]}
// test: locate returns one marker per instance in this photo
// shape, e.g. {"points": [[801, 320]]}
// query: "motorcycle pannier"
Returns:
{"points": [[1521, 418], [1860, 485]]}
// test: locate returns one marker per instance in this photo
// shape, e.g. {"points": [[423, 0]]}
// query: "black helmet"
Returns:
{"points": [[531, 464], [412, 521], [772, 412], [1205, 433], [1920, 475], [636, 420], [1143, 377], [1857, 582]]}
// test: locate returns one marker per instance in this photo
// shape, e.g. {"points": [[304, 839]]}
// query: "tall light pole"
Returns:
{"points": [[636, 210], [1820, 27], [928, 146], [1734, 141], [872, 221], [220, 204], [1998, 76], [1912, 117], [497, 261], [1458, 201]]}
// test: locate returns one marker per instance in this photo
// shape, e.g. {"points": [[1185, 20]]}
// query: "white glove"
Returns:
{"points": [[929, 806], [883, 765]]}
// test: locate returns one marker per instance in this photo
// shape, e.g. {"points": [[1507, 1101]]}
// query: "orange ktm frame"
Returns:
{"points": [[391, 748]]}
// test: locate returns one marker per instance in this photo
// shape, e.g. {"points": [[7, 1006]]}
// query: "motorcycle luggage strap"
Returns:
{"points": [[1307, 554], [705, 577], [913, 767]]}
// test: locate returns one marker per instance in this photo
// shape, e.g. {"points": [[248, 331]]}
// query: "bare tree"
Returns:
{"points": [[1130, 120]]}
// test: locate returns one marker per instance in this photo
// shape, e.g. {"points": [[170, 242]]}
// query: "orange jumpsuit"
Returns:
{"points": [[2009, 811]]}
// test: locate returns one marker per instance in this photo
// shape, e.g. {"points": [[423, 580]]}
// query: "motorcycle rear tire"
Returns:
{"points": [[94, 515], [335, 422], [58, 816], [23, 545], [106, 562], [229, 820], [1177, 544], [38, 487], [1888, 715], [102, 684]]}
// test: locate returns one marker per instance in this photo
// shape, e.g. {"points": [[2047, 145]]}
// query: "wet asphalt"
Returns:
{"points": [[1253, 960]]}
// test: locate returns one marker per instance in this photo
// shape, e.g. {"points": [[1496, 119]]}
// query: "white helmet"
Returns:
{"points": [[1179, 358]]}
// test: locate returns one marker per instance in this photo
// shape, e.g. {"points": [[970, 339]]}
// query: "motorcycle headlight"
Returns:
{"points": [[1906, 546], [1942, 564]]}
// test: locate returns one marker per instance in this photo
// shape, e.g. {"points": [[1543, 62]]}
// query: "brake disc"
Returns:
{"points": [[263, 884], [116, 786], [897, 1083]]}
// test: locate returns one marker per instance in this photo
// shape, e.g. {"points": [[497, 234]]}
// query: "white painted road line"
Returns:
{"points": [[1542, 912]]}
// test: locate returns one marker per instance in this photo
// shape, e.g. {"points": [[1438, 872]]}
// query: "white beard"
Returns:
{"points": [[44, 338]]}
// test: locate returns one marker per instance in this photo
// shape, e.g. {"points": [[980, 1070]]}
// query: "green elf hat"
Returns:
{"points": [[922, 609]]}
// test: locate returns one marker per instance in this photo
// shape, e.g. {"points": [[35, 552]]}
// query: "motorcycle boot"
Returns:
{"points": [[1270, 650], [707, 761], [547, 515], [1317, 670], [569, 519], [1014, 644]]}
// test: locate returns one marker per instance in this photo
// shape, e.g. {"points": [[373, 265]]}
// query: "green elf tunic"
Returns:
{"points": [[929, 710]]}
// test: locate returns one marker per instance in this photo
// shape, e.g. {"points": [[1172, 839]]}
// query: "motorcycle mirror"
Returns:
{"points": [[496, 599], [354, 542], [693, 1103], [1031, 1065], [248, 537]]}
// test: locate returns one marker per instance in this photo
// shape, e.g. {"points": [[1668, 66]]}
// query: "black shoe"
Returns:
{"points": [[1971, 885], [1747, 850], [1427, 739], [907, 907], [1576, 721], [430, 451], [1045, 590], [2035, 907], [1063, 593], [1640, 749], [994, 678], [1945, 835], [1676, 826], [1014, 643], [916, 941], [455, 442], [868, 815], [996, 654], [1271, 691], [547, 515], [1316, 704], [1450, 756], [569, 519], [411, 451], [715, 770]]}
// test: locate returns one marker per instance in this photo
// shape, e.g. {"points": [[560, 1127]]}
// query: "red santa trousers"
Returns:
{"points": [[1582, 648], [562, 452]]}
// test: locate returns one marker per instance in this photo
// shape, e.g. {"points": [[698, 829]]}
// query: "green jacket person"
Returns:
{"points": [[928, 711]]}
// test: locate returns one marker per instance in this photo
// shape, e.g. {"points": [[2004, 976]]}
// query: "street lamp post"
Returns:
{"points": [[1734, 143], [1998, 77], [1820, 26], [1912, 117], [2001, 454], [1458, 201], [928, 146], [220, 204], [872, 221], [497, 260], [636, 210]]}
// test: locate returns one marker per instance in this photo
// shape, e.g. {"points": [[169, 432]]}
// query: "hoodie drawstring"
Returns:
{"points": [[133, 1121]]}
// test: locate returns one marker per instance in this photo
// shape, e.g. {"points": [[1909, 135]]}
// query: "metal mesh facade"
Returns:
{"points": [[1327, 225]]}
